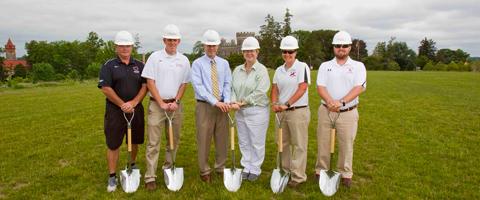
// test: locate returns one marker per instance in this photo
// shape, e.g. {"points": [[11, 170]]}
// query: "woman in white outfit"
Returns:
{"points": [[250, 83]]}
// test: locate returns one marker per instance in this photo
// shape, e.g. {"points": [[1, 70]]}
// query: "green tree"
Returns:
{"points": [[392, 66], [440, 66], [93, 69], [235, 59], [20, 71], [73, 75], [427, 48], [447, 55], [359, 50], [421, 61], [400, 53], [286, 29], [374, 63], [475, 66], [452, 66], [429, 66], [270, 36], [42, 72]]}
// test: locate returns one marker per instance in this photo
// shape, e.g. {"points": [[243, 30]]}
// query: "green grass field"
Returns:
{"points": [[418, 138]]}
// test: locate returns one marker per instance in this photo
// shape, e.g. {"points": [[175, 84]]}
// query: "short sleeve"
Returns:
{"points": [[322, 75], [303, 74], [148, 69], [275, 77], [361, 76], [105, 76]]}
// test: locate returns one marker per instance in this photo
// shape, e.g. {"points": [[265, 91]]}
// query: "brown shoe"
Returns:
{"points": [[151, 186], [347, 182], [206, 178], [317, 177], [293, 184]]}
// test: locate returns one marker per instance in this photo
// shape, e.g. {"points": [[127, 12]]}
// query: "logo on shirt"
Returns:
{"points": [[136, 70], [350, 70], [116, 66], [293, 74], [329, 70]]}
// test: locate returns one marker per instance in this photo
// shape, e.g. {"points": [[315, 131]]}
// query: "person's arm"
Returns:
{"points": [[303, 80], [360, 81], [227, 84], [140, 95], [112, 96], [274, 97]]}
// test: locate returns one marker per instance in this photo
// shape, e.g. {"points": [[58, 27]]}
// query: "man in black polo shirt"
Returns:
{"points": [[121, 82]]}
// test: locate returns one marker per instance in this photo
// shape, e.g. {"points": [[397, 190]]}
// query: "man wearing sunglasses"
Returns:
{"points": [[339, 83], [167, 72]]}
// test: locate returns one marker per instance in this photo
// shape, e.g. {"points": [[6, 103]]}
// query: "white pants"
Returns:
{"points": [[252, 124]]}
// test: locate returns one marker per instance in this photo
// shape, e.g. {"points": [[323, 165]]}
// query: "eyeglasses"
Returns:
{"points": [[288, 52], [344, 46], [172, 40]]}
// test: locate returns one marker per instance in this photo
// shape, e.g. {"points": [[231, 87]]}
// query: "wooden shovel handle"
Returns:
{"points": [[332, 140], [232, 138], [170, 135], [129, 139], [280, 140]]}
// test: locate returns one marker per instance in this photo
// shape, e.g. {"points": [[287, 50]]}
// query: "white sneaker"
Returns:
{"points": [[112, 184]]}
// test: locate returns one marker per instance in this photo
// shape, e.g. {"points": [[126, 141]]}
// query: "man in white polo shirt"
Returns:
{"points": [[339, 83], [167, 72]]}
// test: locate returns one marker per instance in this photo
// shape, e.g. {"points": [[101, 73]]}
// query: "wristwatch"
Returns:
{"points": [[342, 101], [177, 101], [287, 104]]}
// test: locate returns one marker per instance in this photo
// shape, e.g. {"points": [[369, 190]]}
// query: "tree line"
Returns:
{"points": [[76, 60]]}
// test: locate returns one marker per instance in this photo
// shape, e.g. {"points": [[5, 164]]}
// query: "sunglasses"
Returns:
{"points": [[344, 46], [288, 52]]}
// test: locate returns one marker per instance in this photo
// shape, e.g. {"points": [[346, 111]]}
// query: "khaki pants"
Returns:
{"points": [[346, 127], [295, 137], [157, 122], [211, 123]]}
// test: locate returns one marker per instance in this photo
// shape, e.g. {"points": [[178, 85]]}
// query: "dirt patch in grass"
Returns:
{"points": [[63, 163], [19, 185]]}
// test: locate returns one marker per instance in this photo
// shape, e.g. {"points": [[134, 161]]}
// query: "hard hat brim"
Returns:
{"points": [[171, 37], [124, 43], [211, 43]]}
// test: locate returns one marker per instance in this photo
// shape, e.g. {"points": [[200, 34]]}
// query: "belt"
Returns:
{"points": [[295, 107], [164, 100], [203, 101], [344, 110]]}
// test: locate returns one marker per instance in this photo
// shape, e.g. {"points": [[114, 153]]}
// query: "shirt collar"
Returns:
{"points": [[349, 62], [254, 66], [166, 55], [291, 68], [119, 61]]}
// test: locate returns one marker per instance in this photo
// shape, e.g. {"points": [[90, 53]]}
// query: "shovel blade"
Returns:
{"points": [[130, 181], [329, 182], [278, 182], [232, 179], [173, 178]]}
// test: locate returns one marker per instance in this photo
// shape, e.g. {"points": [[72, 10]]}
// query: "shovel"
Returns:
{"points": [[174, 176], [232, 177], [279, 181], [330, 180], [129, 178]]}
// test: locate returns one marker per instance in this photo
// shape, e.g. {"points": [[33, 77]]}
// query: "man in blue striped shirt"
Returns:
{"points": [[211, 80]]}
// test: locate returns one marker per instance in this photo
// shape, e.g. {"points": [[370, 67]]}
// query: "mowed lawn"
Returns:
{"points": [[418, 138]]}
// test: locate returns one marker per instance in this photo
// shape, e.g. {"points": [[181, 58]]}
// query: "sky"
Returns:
{"points": [[451, 24]]}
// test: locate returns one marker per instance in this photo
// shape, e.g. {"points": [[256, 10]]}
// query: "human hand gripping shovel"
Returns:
{"points": [[329, 180], [232, 177], [173, 176], [130, 178], [279, 181]]}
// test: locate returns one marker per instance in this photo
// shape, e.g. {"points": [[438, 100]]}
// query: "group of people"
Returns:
{"points": [[126, 81]]}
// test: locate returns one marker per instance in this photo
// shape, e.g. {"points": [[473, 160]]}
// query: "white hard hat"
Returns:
{"points": [[342, 37], [289, 43], [211, 37], [124, 38], [171, 32], [250, 43]]}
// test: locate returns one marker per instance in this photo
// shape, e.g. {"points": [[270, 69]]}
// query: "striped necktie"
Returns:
{"points": [[213, 72]]}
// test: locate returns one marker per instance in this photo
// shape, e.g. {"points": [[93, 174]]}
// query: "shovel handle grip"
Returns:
{"points": [[232, 138], [332, 140], [129, 139], [170, 135], [280, 140]]}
